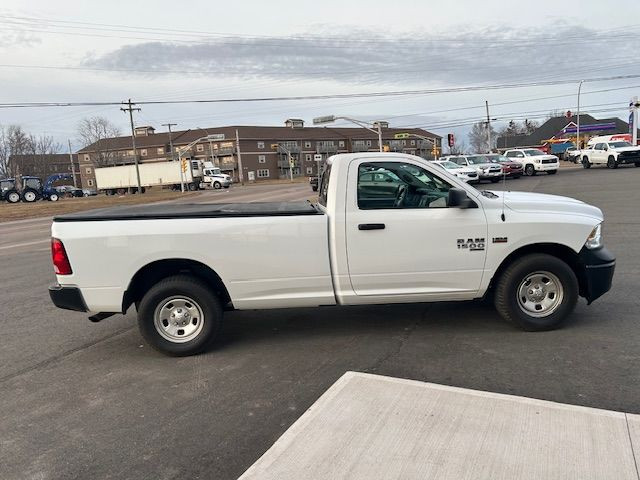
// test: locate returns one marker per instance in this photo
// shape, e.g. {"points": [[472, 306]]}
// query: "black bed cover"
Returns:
{"points": [[201, 210]]}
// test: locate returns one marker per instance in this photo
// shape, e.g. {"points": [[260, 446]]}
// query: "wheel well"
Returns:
{"points": [[562, 252], [153, 272]]}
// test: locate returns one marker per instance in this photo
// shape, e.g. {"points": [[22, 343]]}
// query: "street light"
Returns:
{"points": [[360, 123], [212, 137], [578, 117]]}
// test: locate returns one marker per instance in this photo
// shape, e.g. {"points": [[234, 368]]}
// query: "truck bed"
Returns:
{"points": [[204, 210]]}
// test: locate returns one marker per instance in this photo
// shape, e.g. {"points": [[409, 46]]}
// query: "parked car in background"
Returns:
{"points": [[466, 174], [534, 160], [88, 192], [572, 154], [486, 170], [69, 191], [510, 167], [611, 154]]}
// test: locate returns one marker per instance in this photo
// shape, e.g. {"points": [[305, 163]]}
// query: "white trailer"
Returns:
{"points": [[122, 179]]}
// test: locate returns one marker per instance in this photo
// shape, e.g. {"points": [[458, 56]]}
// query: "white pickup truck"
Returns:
{"points": [[422, 236], [610, 153]]}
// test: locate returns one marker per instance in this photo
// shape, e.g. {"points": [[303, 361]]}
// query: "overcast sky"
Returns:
{"points": [[111, 51]]}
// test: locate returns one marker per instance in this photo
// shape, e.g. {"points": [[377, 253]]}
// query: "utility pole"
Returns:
{"points": [[633, 120], [73, 167], [240, 171], [486, 103], [130, 109], [169, 125]]}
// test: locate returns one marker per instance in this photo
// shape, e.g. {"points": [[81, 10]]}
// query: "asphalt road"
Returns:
{"points": [[83, 400]]}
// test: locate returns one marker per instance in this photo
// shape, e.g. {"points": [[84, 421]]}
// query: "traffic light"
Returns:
{"points": [[450, 139], [385, 148], [184, 165]]}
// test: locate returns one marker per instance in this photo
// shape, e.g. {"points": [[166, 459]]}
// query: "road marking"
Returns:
{"points": [[18, 245]]}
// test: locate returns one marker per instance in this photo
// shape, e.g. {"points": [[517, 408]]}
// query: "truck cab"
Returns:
{"points": [[609, 152]]}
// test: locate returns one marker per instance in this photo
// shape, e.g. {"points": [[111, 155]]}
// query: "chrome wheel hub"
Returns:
{"points": [[178, 319], [540, 294]]}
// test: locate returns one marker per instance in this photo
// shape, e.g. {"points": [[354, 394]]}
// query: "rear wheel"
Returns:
{"points": [[193, 187], [29, 196], [13, 197], [179, 316], [611, 163], [536, 292], [529, 171]]}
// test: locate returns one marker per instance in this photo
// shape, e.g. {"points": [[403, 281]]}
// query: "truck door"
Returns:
{"points": [[405, 240], [599, 155]]}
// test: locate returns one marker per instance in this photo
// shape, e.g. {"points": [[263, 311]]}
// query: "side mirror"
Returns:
{"points": [[458, 198]]}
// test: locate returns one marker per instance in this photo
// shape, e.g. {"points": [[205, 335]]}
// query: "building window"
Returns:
{"points": [[261, 146], [263, 172], [307, 144], [308, 157], [199, 148], [262, 159], [88, 170], [143, 152], [90, 182], [413, 142], [341, 143], [368, 143], [160, 151], [309, 170]]}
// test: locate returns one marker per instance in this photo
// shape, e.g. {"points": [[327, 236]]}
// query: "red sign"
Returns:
{"points": [[450, 139]]}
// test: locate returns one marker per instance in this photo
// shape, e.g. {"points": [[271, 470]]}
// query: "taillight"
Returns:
{"points": [[61, 263]]}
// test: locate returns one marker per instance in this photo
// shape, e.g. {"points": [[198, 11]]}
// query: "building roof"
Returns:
{"points": [[249, 133], [554, 126]]}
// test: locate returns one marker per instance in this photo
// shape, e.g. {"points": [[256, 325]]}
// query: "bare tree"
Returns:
{"points": [[529, 126], [13, 141], [458, 148], [98, 134], [39, 147], [478, 137]]}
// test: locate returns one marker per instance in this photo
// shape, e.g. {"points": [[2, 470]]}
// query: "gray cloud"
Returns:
{"points": [[494, 54]]}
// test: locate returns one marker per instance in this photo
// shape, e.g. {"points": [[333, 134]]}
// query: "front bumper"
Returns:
{"points": [[67, 298], [596, 267], [489, 175], [543, 167]]}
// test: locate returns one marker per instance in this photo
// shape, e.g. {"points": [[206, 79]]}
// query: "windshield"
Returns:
{"points": [[449, 165], [477, 159], [619, 144], [532, 152], [497, 158]]}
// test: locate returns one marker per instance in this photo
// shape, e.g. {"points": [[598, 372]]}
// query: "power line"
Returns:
{"points": [[328, 96]]}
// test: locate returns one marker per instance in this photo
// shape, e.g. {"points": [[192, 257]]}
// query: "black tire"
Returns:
{"points": [[611, 163], [637, 164], [217, 185], [529, 171], [552, 172], [585, 163], [54, 197], [30, 195], [180, 286], [193, 187], [13, 196], [507, 300]]}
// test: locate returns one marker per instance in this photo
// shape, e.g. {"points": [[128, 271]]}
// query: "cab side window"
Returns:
{"points": [[385, 185]]}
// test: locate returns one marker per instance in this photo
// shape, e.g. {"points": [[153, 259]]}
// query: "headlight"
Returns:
{"points": [[536, 160], [594, 240]]}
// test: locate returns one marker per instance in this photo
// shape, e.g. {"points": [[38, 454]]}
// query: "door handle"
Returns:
{"points": [[371, 226]]}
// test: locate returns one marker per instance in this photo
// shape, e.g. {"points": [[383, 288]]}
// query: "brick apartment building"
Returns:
{"points": [[43, 166], [259, 159]]}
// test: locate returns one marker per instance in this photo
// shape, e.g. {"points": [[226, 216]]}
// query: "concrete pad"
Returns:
{"points": [[369, 426]]}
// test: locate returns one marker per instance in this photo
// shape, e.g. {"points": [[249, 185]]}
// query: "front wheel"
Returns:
{"points": [[179, 316], [529, 171], [536, 292], [217, 185], [611, 163], [585, 163], [54, 197]]}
